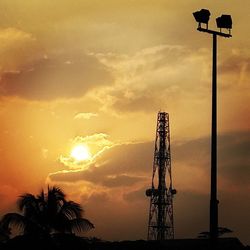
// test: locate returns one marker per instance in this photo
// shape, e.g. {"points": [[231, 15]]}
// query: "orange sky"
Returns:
{"points": [[97, 72]]}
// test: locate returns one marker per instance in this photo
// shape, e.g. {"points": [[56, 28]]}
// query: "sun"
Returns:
{"points": [[80, 153]]}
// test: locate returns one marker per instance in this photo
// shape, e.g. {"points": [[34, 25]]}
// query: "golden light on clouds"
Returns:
{"points": [[80, 152], [83, 150]]}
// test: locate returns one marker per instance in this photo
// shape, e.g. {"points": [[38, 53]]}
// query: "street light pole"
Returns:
{"points": [[213, 199], [224, 21], [213, 195]]}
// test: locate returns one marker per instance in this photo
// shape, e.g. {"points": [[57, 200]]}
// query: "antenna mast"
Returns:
{"points": [[161, 221]]}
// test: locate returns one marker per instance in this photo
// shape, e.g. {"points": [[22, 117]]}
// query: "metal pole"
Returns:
{"points": [[213, 199]]}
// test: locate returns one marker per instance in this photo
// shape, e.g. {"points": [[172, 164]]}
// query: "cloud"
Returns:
{"points": [[235, 70], [234, 162], [17, 48], [92, 175], [55, 78], [121, 163], [100, 197], [130, 165], [112, 167], [187, 207], [135, 195], [121, 180], [9, 37], [154, 76], [85, 116], [235, 61]]}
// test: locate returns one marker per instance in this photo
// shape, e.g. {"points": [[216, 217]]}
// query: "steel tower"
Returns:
{"points": [[161, 223]]}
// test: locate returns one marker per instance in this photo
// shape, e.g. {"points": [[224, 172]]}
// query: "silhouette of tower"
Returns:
{"points": [[161, 223]]}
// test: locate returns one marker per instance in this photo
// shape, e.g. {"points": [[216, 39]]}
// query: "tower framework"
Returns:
{"points": [[161, 221]]}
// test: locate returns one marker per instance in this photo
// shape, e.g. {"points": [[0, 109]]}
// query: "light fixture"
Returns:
{"points": [[202, 16], [224, 22]]}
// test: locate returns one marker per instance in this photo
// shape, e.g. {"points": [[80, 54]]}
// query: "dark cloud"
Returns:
{"points": [[120, 181], [97, 177], [57, 77], [233, 157], [188, 207], [115, 220], [234, 210], [119, 165], [191, 171], [135, 195], [191, 207], [115, 165], [100, 197], [192, 152], [127, 158]]}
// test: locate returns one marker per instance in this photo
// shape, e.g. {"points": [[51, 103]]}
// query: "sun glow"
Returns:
{"points": [[80, 153]]}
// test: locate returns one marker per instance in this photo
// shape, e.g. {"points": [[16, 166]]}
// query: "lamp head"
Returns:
{"points": [[225, 21], [202, 16]]}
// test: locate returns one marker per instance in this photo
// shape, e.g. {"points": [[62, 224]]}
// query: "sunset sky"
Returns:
{"points": [[95, 73]]}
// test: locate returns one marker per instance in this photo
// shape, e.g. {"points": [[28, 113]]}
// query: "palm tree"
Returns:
{"points": [[45, 214]]}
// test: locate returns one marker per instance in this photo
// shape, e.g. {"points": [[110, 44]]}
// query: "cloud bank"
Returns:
{"points": [[120, 176]]}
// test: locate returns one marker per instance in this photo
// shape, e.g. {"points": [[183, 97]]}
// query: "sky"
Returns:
{"points": [[95, 73]]}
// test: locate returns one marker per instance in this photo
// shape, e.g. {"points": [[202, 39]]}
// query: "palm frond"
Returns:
{"points": [[42, 201], [15, 220], [41, 196], [61, 223], [26, 200], [80, 225], [71, 209], [56, 192]]}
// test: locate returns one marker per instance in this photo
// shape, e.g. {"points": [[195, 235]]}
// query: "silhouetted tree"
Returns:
{"points": [[45, 214]]}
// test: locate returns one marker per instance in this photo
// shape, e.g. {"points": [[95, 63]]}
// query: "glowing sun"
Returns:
{"points": [[80, 153]]}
